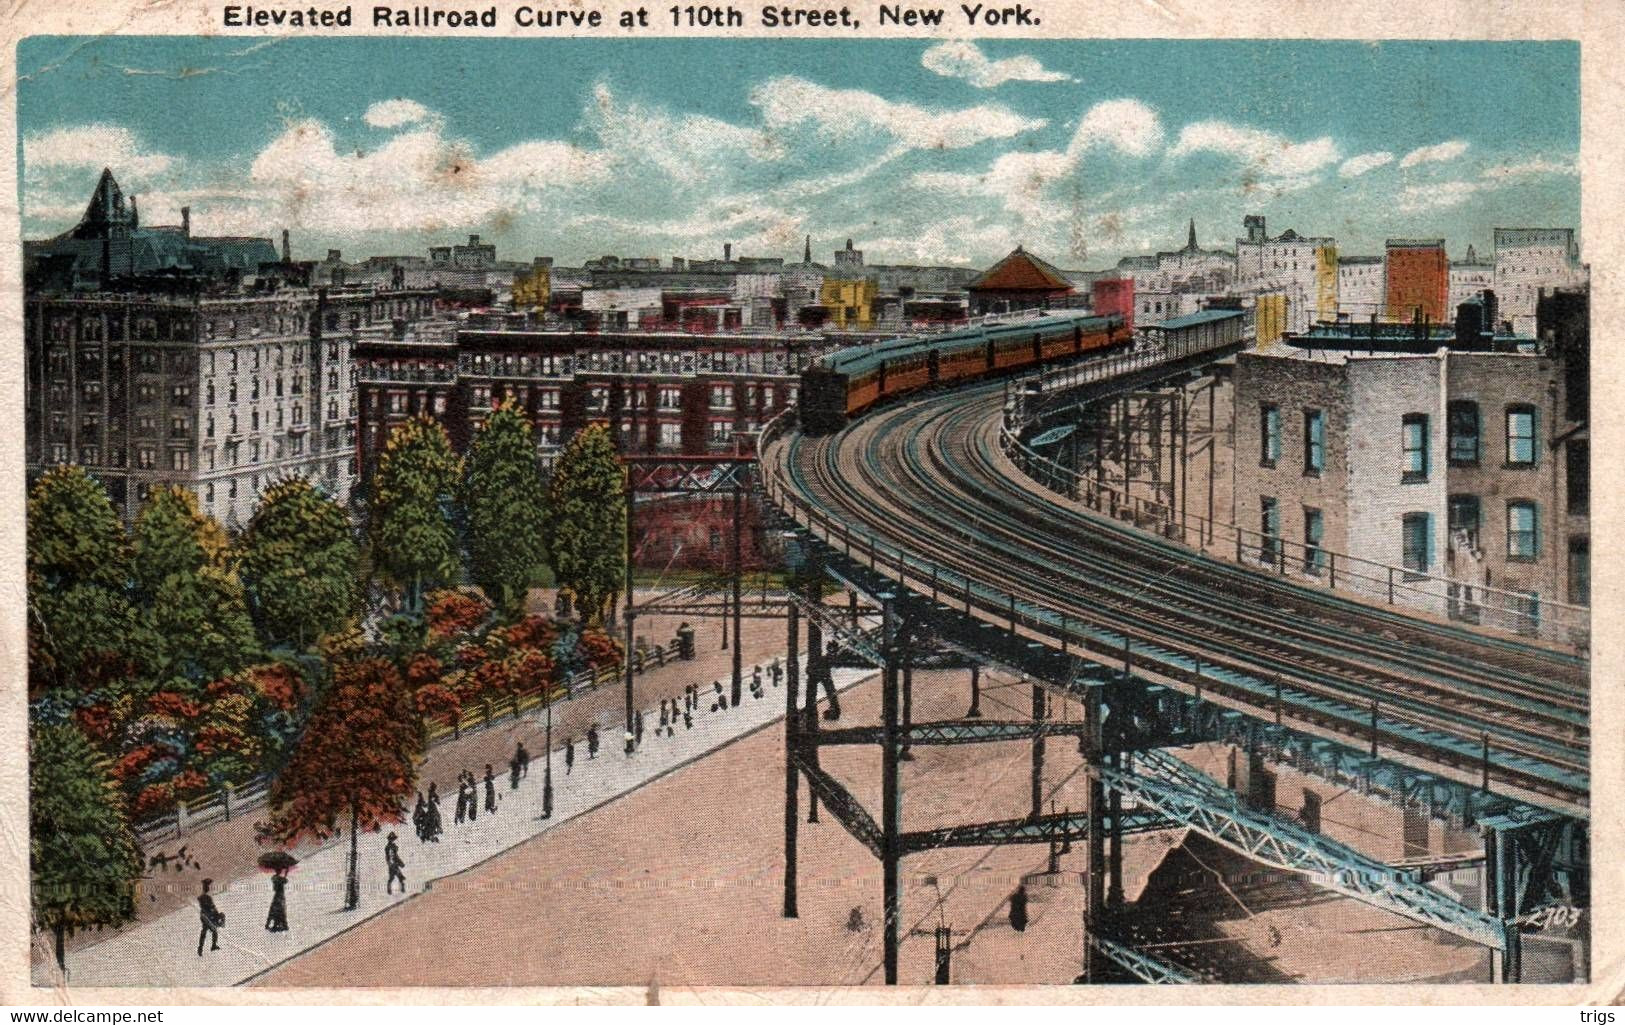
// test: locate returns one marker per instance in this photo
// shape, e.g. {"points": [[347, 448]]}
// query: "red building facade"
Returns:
{"points": [[1418, 280]]}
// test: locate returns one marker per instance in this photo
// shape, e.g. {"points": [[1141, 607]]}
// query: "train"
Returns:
{"points": [[844, 384]]}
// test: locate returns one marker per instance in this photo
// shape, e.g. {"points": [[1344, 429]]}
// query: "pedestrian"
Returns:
{"points": [[490, 789], [662, 712], [776, 670], [627, 738], [756, 680], [569, 755], [688, 720], [524, 760], [276, 917], [462, 799], [513, 772], [433, 825], [473, 796], [592, 742], [420, 818], [721, 699], [1018, 909], [392, 859], [211, 917]]}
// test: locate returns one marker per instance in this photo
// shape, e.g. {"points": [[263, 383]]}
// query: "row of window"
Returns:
{"points": [[1463, 448], [1416, 532]]}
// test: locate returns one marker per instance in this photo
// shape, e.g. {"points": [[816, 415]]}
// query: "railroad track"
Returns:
{"points": [[928, 478]]}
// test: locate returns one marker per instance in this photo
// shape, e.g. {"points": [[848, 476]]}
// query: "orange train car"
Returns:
{"points": [[846, 383]]}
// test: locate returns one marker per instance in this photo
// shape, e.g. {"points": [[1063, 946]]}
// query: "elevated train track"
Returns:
{"points": [[924, 484]]}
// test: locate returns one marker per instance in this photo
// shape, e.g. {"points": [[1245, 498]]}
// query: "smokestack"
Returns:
{"points": [[287, 256], [186, 221], [727, 252]]}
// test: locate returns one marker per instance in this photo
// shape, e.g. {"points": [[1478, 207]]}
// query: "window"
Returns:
{"points": [[1580, 570], [1523, 531], [1414, 442], [1465, 519], [1269, 433], [671, 434], [1520, 435], [671, 398], [1314, 441], [1463, 419], [180, 459], [721, 431], [145, 458], [722, 396], [1269, 549], [1416, 536], [1314, 529]]}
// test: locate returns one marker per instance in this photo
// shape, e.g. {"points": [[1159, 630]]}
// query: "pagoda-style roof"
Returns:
{"points": [[1021, 271]]}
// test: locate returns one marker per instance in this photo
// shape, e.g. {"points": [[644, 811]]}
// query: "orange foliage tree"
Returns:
{"points": [[359, 754]]}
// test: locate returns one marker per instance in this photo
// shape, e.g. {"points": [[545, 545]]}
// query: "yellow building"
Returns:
{"points": [[1270, 318], [850, 303], [1326, 283], [532, 289]]}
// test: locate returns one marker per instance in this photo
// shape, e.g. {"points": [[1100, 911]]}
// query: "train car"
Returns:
{"points": [[844, 384]]}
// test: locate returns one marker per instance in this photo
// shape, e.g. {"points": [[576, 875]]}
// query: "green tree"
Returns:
{"points": [[587, 506], [82, 856], [358, 757], [506, 506], [413, 539], [299, 564], [191, 596], [82, 630], [74, 534]]}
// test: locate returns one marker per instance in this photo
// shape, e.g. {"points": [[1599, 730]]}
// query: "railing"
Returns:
{"points": [[233, 800], [1311, 565]]}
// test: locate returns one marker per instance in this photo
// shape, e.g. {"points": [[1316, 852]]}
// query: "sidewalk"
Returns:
{"points": [[163, 951]]}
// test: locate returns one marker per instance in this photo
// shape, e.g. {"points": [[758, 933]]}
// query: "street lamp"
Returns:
{"points": [[547, 767]]}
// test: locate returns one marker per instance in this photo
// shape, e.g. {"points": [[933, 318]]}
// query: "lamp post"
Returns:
{"points": [[547, 766]]}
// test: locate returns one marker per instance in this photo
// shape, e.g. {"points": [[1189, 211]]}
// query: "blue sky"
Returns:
{"points": [[919, 150]]}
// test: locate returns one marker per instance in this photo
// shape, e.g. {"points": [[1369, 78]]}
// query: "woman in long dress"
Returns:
{"points": [[432, 826], [276, 919]]}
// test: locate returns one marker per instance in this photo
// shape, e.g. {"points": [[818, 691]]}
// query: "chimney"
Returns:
{"points": [[727, 252], [186, 221], [135, 216], [287, 256], [473, 240]]}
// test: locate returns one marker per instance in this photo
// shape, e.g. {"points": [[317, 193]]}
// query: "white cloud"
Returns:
{"points": [[1262, 153], [1436, 196], [963, 59], [1532, 168], [686, 146], [1436, 153], [95, 145], [418, 180], [1128, 126], [396, 113], [1355, 166], [847, 114]]}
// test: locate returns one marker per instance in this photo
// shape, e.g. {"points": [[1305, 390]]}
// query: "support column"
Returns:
{"points": [[792, 729], [1038, 754], [738, 570], [815, 660], [631, 505], [975, 693], [907, 654], [891, 804], [1114, 838], [1095, 801]]}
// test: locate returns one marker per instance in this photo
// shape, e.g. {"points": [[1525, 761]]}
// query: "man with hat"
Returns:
{"points": [[392, 859]]}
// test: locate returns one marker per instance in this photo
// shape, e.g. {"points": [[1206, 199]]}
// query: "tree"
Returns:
{"points": [[358, 755], [299, 562], [413, 538], [192, 598], [506, 504], [82, 628], [83, 858], [588, 516]]}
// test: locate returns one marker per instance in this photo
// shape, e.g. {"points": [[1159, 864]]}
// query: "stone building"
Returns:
{"points": [[1417, 280], [1468, 278], [1528, 260], [1361, 286], [220, 394], [1302, 270], [1433, 471]]}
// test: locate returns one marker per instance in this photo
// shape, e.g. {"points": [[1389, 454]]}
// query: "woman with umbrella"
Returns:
{"points": [[279, 863]]}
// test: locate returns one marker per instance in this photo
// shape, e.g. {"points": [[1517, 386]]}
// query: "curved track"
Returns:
{"points": [[928, 479]]}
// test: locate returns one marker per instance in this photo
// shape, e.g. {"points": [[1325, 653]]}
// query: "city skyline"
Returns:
{"points": [[924, 152]]}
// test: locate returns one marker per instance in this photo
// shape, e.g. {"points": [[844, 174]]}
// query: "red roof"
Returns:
{"points": [[1021, 271]]}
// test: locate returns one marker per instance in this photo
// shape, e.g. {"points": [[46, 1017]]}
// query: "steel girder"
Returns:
{"points": [[1142, 966], [1192, 798], [841, 804], [952, 731], [1061, 828], [692, 475]]}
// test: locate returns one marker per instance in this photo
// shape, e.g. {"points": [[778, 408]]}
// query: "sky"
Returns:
{"points": [[920, 151]]}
